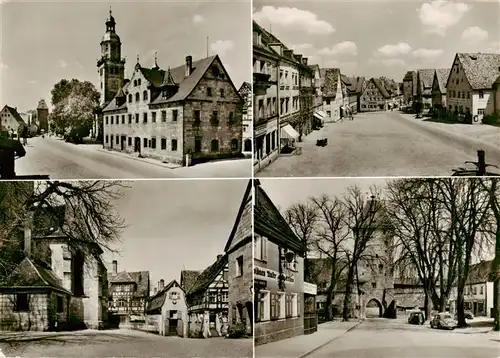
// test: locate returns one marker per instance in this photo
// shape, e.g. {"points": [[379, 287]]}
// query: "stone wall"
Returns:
{"points": [[36, 319], [272, 331]]}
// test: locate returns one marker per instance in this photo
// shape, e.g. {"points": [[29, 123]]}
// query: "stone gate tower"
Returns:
{"points": [[42, 112]]}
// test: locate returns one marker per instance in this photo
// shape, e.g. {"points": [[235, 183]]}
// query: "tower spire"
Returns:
{"points": [[156, 59]]}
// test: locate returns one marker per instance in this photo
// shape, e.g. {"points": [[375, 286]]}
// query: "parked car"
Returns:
{"points": [[468, 315], [416, 317], [443, 320]]}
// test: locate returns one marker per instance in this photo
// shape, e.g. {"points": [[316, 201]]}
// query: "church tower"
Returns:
{"points": [[111, 66]]}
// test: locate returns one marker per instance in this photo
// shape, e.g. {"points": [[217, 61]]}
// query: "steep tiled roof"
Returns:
{"points": [[408, 76], [31, 274], [269, 222], [480, 272], [442, 78], [425, 77], [13, 112], [381, 87], [208, 275], [140, 278], [42, 105], [156, 302], [242, 228], [481, 69], [186, 84], [330, 78], [188, 278], [360, 83]]}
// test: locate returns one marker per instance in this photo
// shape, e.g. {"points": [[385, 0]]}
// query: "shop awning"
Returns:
{"points": [[318, 116], [287, 132]]}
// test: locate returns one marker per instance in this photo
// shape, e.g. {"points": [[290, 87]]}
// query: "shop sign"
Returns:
{"points": [[269, 275]]}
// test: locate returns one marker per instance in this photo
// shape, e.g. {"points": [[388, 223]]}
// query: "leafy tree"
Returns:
{"points": [[74, 104]]}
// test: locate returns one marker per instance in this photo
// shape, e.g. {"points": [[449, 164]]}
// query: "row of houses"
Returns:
{"points": [[469, 90], [292, 97]]}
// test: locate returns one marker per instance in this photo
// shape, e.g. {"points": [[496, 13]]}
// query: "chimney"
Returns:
{"points": [[298, 58], [219, 257], [288, 53], [115, 267], [162, 284], [304, 61], [189, 65], [27, 234]]}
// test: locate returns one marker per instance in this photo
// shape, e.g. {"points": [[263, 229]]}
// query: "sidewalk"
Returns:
{"points": [[477, 325], [305, 345], [144, 160]]}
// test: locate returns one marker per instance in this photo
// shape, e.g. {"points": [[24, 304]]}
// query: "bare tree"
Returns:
{"points": [[82, 211], [302, 218], [361, 215], [331, 236]]}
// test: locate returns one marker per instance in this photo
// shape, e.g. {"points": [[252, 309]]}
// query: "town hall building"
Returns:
{"points": [[186, 113]]}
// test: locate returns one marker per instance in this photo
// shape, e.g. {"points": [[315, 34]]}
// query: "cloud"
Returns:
{"points": [[63, 64], [221, 47], [401, 48], [388, 62], [437, 16], [198, 19], [474, 34], [301, 47], [427, 54], [342, 48], [292, 17]]}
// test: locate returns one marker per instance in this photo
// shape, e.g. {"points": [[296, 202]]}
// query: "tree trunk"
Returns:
{"points": [[427, 310], [328, 304], [348, 294]]}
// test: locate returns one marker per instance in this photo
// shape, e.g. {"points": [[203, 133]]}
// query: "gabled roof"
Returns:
{"points": [[408, 76], [245, 88], [381, 87], [480, 272], [239, 218], [31, 274], [269, 222], [13, 112], [358, 84], [156, 302], [441, 77], [140, 278], [481, 69], [168, 79], [208, 275], [188, 279], [330, 78], [425, 77], [42, 105]]}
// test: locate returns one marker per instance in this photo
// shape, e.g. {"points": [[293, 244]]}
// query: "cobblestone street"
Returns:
{"points": [[120, 343], [388, 144]]}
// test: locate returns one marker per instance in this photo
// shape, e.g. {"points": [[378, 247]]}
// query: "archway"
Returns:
{"points": [[373, 308]]}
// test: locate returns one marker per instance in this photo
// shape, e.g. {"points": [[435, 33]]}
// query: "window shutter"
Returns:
{"points": [[264, 248]]}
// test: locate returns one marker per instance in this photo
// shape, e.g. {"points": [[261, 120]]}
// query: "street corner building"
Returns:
{"points": [[128, 292], [284, 304], [54, 288], [166, 310], [219, 299], [191, 111]]}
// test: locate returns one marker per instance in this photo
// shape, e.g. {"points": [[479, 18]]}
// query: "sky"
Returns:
{"points": [[382, 38], [44, 42], [174, 225]]}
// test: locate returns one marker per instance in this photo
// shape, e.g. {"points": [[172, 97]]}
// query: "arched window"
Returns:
{"points": [[145, 95], [139, 82], [234, 144], [135, 82], [137, 97], [214, 145], [130, 97]]}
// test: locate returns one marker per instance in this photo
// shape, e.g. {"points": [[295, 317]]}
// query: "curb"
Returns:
{"points": [[329, 341], [136, 159]]}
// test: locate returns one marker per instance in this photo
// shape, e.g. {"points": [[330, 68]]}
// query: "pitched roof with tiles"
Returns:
{"points": [[14, 113], [188, 279], [381, 87], [156, 302], [241, 233], [426, 76], [269, 222], [330, 78], [442, 78], [140, 278], [30, 274], [208, 276], [481, 69], [480, 272], [42, 105]]}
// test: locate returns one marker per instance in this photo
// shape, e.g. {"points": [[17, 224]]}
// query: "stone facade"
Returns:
{"points": [[245, 92], [10, 120], [43, 115], [372, 99]]}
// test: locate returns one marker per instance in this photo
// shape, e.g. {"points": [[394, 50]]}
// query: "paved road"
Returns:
{"points": [[388, 144], [382, 338], [61, 160], [125, 344]]}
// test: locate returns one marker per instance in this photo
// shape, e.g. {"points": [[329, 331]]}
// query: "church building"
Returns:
{"points": [[184, 114]]}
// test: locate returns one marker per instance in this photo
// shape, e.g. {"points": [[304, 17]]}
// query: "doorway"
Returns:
{"points": [[123, 142], [137, 144]]}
